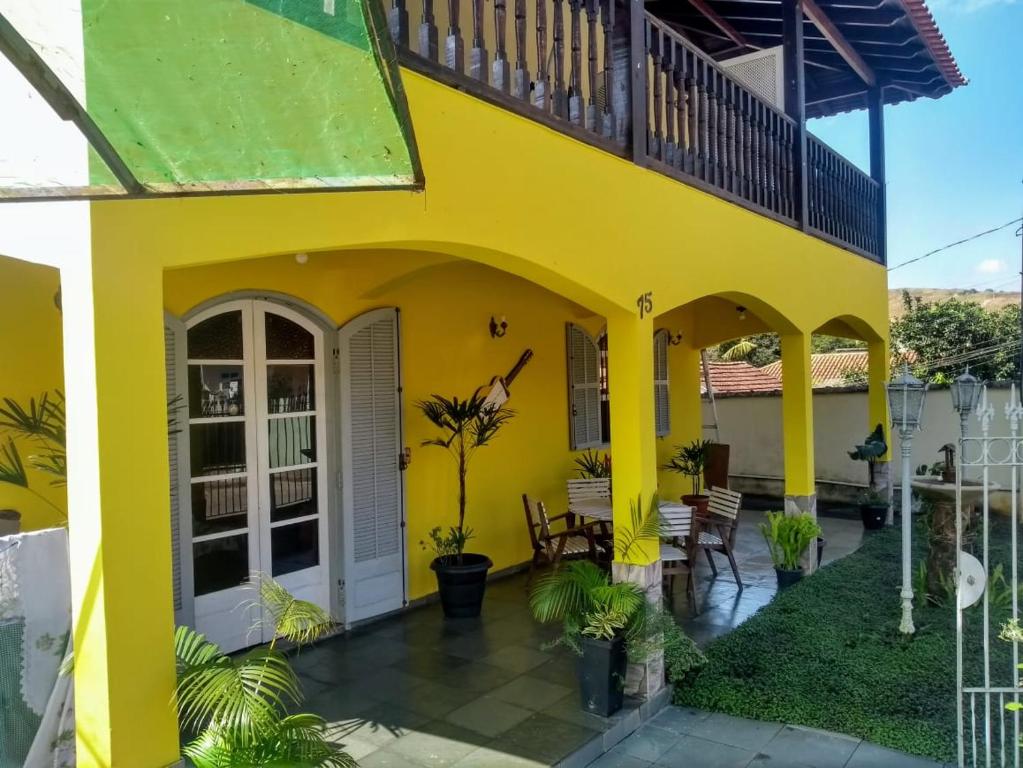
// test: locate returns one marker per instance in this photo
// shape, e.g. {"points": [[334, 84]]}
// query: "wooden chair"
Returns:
{"points": [[718, 531], [678, 550], [552, 546], [582, 489]]}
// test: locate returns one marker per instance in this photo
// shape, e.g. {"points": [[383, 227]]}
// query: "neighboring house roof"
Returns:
{"points": [[735, 378], [828, 369]]}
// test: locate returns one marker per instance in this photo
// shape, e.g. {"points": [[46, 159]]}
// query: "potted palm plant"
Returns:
{"points": [[690, 460], [788, 537], [607, 623], [233, 710], [467, 425]]}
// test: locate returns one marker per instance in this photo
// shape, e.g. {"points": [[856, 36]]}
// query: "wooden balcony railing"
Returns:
{"points": [[706, 127], [573, 64], [842, 200]]}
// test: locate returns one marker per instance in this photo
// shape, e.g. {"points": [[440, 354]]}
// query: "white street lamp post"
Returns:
{"points": [[906, 401], [965, 395]]}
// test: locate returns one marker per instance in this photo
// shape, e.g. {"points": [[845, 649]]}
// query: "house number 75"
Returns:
{"points": [[645, 303]]}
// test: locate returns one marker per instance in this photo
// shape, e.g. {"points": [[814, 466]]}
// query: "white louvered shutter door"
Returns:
{"points": [[177, 446], [584, 389], [371, 444], [662, 407]]}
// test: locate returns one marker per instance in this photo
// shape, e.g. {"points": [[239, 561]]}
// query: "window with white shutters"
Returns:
{"points": [[177, 452], [662, 407], [584, 389]]}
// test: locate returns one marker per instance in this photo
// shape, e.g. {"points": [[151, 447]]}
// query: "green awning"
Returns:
{"points": [[199, 96]]}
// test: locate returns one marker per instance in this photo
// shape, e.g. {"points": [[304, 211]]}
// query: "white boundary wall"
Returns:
{"points": [[752, 426]]}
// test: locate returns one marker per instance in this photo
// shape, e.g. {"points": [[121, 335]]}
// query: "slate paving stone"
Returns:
{"points": [[436, 745], [485, 757], [724, 729], [543, 738], [618, 758], [481, 677], [694, 752], [437, 699], [531, 693], [812, 747], [517, 658], [679, 720], [768, 761], [873, 756], [488, 716], [649, 743], [569, 708]]}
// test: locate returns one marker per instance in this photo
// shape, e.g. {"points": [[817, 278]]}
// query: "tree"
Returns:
{"points": [[941, 334]]}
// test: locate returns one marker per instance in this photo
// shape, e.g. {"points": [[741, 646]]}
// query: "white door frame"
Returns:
{"points": [[206, 607]]}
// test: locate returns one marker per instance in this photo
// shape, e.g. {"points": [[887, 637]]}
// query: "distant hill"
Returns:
{"points": [[992, 300]]}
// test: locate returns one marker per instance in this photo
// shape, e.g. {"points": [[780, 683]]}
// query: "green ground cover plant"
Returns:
{"points": [[827, 654]]}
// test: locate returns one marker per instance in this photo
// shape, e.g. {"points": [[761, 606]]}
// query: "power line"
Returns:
{"points": [[957, 242]]}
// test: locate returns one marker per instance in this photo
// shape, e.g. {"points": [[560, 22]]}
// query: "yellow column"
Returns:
{"points": [[630, 345], [797, 421], [878, 372], [123, 618], [633, 432], [686, 414]]}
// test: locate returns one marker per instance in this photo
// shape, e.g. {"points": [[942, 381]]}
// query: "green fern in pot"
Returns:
{"points": [[788, 537]]}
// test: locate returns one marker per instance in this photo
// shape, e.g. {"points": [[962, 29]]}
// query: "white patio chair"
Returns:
{"points": [[677, 547], [584, 489]]}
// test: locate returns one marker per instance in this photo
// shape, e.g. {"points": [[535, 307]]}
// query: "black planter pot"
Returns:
{"points": [[874, 516], [601, 670], [787, 578], [462, 584], [820, 550]]}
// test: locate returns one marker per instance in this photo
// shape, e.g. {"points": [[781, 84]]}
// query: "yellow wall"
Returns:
{"points": [[446, 305], [31, 363], [500, 190]]}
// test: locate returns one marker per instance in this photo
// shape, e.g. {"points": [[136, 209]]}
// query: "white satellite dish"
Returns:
{"points": [[972, 580]]}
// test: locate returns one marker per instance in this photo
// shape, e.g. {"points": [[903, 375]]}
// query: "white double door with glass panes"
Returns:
{"points": [[257, 445]]}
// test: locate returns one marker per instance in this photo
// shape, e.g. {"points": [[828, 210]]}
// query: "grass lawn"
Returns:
{"points": [[827, 654]]}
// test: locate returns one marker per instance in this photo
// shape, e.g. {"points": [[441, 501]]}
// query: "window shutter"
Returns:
{"points": [[583, 389], [375, 476], [177, 451], [662, 406]]}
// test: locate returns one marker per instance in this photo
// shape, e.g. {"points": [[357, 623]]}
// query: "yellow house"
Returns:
{"points": [[612, 186]]}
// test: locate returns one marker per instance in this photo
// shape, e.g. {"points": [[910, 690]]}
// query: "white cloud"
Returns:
{"points": [[991, 266], [968, 6]]}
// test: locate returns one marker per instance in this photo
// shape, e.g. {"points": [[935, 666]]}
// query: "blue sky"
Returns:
{"points": [[955, 165]]}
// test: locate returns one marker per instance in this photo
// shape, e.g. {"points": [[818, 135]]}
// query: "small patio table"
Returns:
{"points": [[593, 509]]}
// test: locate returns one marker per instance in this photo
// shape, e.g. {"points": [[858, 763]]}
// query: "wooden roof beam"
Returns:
{"points": [[715, 18], [834, 36]]}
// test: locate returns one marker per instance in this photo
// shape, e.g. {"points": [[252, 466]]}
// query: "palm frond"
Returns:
{"points": [[238, 694], [644, 526], [296, 741], [567, 591], [53, 463], [739, 351], [12, 470], [43, 420], [299, 621]]}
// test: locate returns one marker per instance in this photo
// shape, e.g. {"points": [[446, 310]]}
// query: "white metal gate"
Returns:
{"points": [[987, 593]]}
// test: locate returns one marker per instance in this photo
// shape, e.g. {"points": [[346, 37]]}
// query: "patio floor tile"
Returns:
{"points": [[569, 708], [341, 703], [380, 725], [812, 747], [767, 761], [873, 756], [679, 720], [649, 743], [531, 693], [618, 758], [694, 752], [482, 677], [488, 716], [517, 658], [435, 745], [736, 732], [485, 757], [436, 699], [543, 738]]}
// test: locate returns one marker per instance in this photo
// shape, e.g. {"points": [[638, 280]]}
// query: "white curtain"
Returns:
{"points": [[35, 608]]}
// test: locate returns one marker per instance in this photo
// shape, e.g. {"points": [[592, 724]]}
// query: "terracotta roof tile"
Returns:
{"points": [[927, 28], [732, 378], [828, 369]]}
